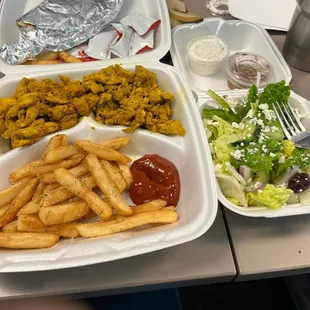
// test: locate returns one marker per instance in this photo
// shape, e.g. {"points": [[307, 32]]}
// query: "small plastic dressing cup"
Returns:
{"points": [[205, 55]]}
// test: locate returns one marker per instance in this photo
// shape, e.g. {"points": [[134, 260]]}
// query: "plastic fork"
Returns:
{"points": [[291, 125]]}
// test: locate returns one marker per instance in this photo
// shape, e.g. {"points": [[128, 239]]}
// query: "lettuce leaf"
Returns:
{"points": [[271, 197], [277, 92]]}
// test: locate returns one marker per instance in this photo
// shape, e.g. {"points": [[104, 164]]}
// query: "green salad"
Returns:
{"points": [[255, 164]]}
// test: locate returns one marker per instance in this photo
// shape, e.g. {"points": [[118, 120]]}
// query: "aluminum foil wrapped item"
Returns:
{"points": [[59, 25]]}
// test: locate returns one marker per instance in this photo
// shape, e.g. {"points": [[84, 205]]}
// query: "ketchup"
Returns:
{"points": [[154, 177]]}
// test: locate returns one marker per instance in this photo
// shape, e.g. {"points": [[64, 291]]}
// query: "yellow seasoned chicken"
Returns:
{"points": [[134, 100], [117, 96]]}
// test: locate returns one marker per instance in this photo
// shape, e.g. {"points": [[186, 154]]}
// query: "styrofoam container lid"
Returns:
{"points": [[295, 101], [9, 32], [196, 209], [239, 36]]}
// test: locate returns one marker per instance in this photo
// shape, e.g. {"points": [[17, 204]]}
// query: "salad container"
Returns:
{"points": [[197, 207], [295, 101]]}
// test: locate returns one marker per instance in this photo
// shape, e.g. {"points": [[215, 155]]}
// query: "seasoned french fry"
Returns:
{"points": [[26, 170], [107, 186], [77, 171], [33, 206], [11, 227], [19, 201], [98, 229], [31, 223], [64, 56], [61, 153], [21, 240], [38, 170], [126, 173], [63, 213], [51, 187], [88, 216], [154, 205], [102, 152], [54, 142], [3, 209], [115, 175], [48, 56], [61, 194], [74, 185], [116, 143], [7, 195]]}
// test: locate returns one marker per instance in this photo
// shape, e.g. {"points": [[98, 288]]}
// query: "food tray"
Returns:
{"points": [[197, 207], [239, 36], [295, 101], [12, 9]]}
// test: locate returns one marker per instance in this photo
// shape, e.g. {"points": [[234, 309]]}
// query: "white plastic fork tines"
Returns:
{"points": [[291, 125]]}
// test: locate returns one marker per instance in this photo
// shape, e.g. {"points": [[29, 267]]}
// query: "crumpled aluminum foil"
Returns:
{"points": [[58, 25]]}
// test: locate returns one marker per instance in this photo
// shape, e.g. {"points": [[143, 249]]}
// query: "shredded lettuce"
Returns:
{"points": [[271, 197]]}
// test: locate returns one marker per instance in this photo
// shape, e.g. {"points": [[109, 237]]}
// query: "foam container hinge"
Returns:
{"points": [[12, 9], [295, 101], [240, 36], [197, 207]]}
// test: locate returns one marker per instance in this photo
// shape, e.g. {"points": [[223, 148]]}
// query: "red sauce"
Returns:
{"points": [[154, 177]]}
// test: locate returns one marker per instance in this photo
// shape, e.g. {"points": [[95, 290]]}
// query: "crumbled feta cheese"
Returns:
{"points": [[273, 155], [235, 125], [274, 128], [237, 154], [281, 159], [264, 149], [261, 138], [260, 122], [263, 106], [241, 126], [242, 144], [269, 115]]}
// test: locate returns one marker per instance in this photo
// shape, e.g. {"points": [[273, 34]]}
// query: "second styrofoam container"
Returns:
{"points": [[9, 32], [239, 36], [295, 101], [196, 209]]}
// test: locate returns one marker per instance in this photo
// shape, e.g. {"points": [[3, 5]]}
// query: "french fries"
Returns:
{"points": [[116, 143], [99, 229], [52, 197], [115, 175], [103, 152], [7, 195], [61, 153], [64, 213], [19, 201], [21, 240], [31, 223], [74, 185], [45, 168], [107, 186], [68, 58], [126, 173]]}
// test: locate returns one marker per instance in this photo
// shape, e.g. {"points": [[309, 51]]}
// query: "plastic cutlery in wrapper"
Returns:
{"points": [[59, 25]]}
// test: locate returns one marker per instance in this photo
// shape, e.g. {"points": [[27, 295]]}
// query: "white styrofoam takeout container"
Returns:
{"points": [[295, 101], [197, 207], [240, 36], [9, 32]]}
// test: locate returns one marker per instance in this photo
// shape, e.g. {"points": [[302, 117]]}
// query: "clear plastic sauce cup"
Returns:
{"points": [[206, 54], [244, 69]]}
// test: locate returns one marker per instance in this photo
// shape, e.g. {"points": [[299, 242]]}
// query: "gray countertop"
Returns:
{"points": [[207, 259], [272, 247]]}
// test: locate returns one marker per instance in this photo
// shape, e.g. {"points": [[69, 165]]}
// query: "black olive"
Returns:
{"points": [[299, 182]]}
